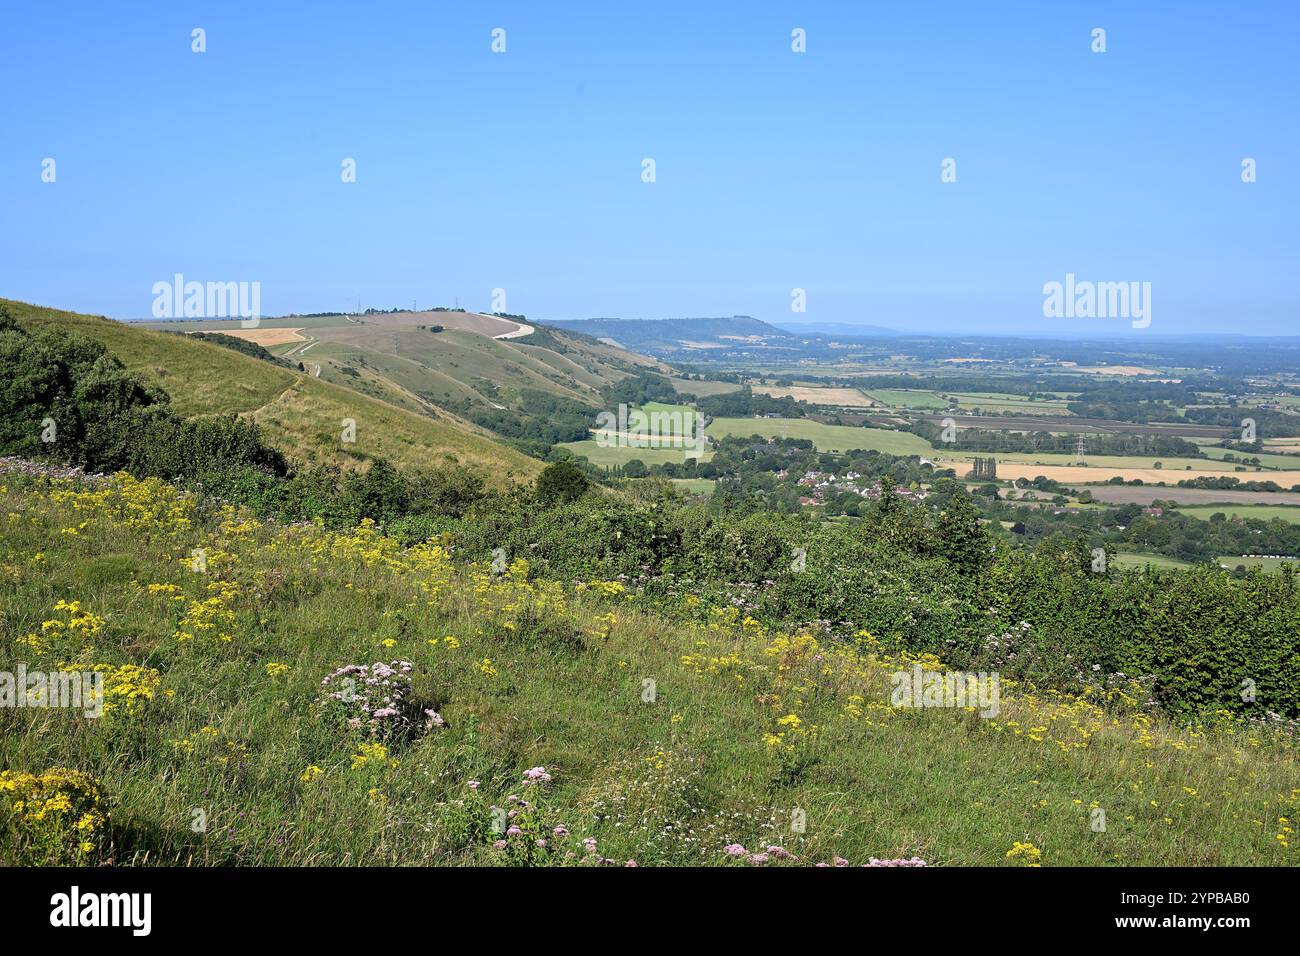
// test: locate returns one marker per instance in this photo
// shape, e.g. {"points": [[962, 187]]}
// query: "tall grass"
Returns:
{"points": [[666, 739]]}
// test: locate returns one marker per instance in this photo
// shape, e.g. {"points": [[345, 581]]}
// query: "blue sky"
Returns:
{"points": [[775, 170]]}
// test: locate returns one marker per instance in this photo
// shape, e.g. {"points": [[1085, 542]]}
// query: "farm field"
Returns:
{"points": [[692, 388], [818, 395], [1271, 565], [1282, 445], [1132, 494], [687, 412], [268, 337], [1267, 459], [1065, 423], [614, 456], [1075, 475], [906, 398], [1003, 403], [673, 424], [1129, 559], [695, 486], [310, 323], [824, 437], [1171, 464], [1122, 371], [1258, 512]]}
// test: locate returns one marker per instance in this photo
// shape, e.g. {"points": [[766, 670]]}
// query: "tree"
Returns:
{"points": [[961, 537], [446, 491], [561, 482], [380, 493]]}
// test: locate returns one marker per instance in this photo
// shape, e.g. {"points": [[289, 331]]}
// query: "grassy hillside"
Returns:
{"points": [[452, 365], [303, 415], [400, 354], [201, 378], [662, 740]]}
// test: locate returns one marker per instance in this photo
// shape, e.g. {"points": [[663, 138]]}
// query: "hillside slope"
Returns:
{"points": [[441, 357], [303, 416], [697, 739]]}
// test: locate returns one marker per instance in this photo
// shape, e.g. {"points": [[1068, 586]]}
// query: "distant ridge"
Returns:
{"points": [[668, 338], [673, 329], [839, 329]]}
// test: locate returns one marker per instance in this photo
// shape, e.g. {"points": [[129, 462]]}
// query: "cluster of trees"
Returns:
{"points": [[411, 505], [1129, 527], [987, 440], [535, 421], [750, 466], [1138, 402], [1229, 483], [1268, 422], [641, 388], [744, 403], [64, 397]]}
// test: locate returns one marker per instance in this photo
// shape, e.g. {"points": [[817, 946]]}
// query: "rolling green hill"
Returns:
{"points": [[529, 383], [303, 416], [439, 357], [459, 366]]}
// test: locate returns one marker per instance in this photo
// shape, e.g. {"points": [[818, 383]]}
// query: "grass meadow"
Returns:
{"points": [[825, 437], [535, 722]]}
